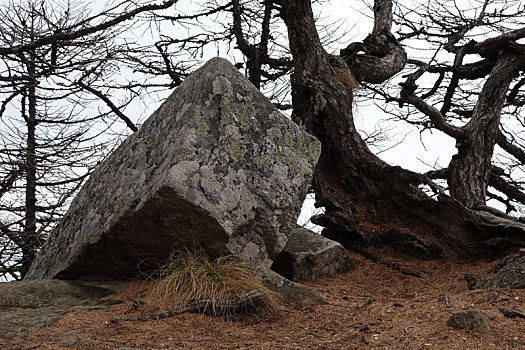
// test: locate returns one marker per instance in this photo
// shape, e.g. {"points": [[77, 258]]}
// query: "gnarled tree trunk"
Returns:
{"points": [[470, 169], [368, 201]]}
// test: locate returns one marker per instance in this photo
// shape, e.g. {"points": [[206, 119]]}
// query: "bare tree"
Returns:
{"points": [[470, 88], [472, 55], [59, 68], [370, 202]]}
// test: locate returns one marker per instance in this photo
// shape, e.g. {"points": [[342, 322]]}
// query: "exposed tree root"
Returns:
{"points": [[207, 306]]}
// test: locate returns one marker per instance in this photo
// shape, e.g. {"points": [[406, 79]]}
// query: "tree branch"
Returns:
{"points": [[407, 95], [510, 190], [110, 104], [510, 148], [68, 36], [383, 54]]}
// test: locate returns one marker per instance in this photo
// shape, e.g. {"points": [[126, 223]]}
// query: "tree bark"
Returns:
{"points": [[368, 202], [470, 168], [29, 235], [380, 55]]}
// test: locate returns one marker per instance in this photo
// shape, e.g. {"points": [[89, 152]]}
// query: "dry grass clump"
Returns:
{"points": [[347, 79], [191, 276]]}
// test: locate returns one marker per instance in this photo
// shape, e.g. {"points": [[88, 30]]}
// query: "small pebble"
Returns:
{"points": [[68, 342], [31, 346]]}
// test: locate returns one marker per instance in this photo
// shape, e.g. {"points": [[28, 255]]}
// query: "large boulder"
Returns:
{"points": [[308, 255], [216, 165]]}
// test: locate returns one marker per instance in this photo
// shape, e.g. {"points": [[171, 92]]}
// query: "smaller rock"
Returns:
{"points": [[50, 299], [14, 324], [31, 346], [522, 251], [46, 293], [420, 299], [293, 294], [68, 342], [472, 320], [473, 282], [308, 255]]}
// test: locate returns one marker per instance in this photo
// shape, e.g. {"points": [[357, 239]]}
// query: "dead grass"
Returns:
{"points": [[193, 275], [347, 79]]}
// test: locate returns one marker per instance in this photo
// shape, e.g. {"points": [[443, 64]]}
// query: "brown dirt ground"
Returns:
{"points": [[341, 324]]}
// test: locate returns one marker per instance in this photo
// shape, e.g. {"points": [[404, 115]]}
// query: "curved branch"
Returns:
{"points": [[197, 15], [456, 36], [169, 69], [437, 174], [510, 190], [510, 148], [110, 104], [383, 54], [512, 97], [491, 46], [469, 71], [244, 46], [435, 116], [8, 99]]}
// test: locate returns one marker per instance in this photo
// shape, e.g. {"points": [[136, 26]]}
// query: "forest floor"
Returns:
{"points": [[371, 307]]}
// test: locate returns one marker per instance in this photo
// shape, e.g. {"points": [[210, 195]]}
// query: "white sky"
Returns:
{"points": [[411, 153], [436, 149]]}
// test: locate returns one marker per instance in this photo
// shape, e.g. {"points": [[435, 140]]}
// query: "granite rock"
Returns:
{"points": [[216, 165]]}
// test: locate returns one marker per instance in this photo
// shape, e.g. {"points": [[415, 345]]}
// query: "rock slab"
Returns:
{"points": [[45, 302], [14, 324], [293, 294], [308, 255], [216, 165], [47, 293], [472, 320]]}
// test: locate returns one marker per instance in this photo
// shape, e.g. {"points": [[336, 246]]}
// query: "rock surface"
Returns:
{"points": [[215, 165], [14, 324], [47, 300], [46, 293], [294, 294], [308, 255], [510, 273], [472, 320]]}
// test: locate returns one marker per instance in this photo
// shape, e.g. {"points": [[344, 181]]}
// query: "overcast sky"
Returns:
{"points": [[411, 153], [437, 149]]}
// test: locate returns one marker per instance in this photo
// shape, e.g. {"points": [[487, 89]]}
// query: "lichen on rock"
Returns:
{"points": [[216, 165]]}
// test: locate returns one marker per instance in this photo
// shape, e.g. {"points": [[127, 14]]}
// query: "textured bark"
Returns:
{"points": [[380, 55], [367, 200], [30, 240], [470, 168]]}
